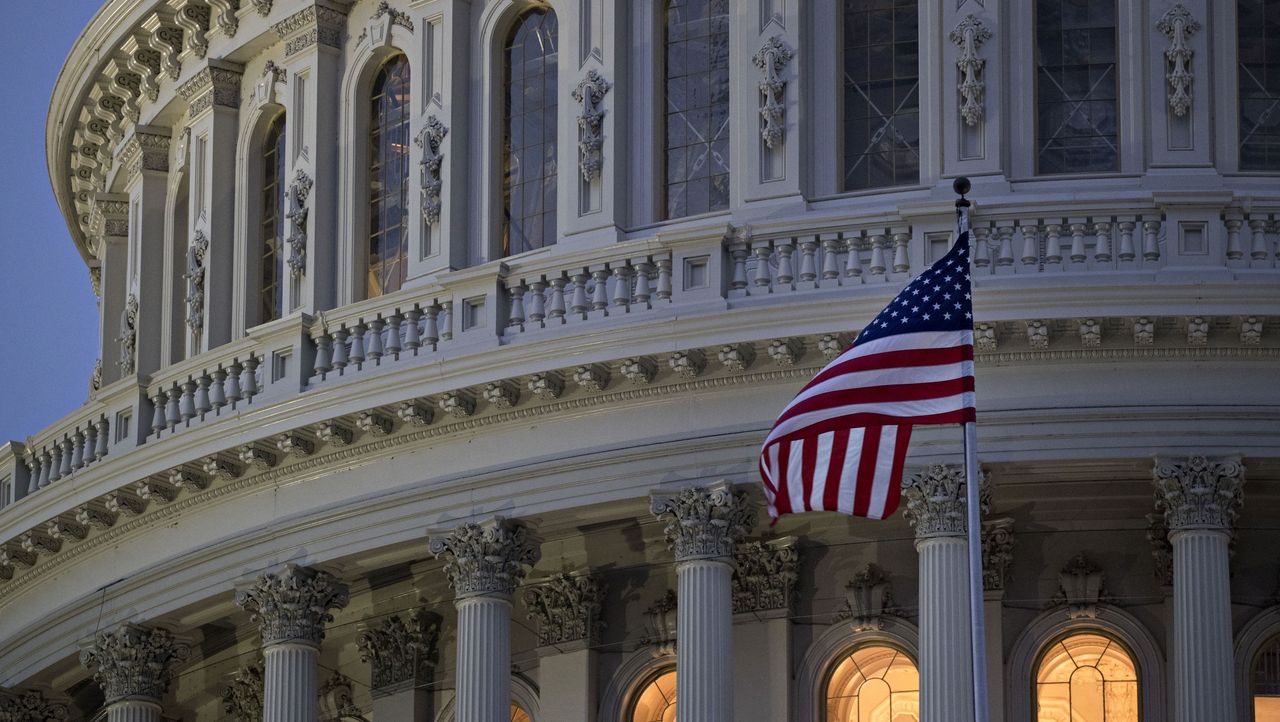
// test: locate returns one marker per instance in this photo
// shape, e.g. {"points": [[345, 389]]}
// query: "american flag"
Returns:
{"points": [[841, 442]]}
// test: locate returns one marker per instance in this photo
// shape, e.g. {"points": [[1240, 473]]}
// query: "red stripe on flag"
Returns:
{"points": [[835, 469], [879, 395], [866, 470], [895, 480], [849, 421], [906, 358]]}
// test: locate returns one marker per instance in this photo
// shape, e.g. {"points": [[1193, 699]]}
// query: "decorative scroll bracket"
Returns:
{"points": [[969, 35], [429, 140], [1178, 25], [771, 58], [299, 194], [590, 94]]}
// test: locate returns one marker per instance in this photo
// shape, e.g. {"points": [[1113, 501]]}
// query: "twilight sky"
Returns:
{"points": [[48, 314]]}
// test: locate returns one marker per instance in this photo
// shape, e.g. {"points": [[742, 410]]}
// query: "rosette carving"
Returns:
{"points": [[293, 605], [134, 661], [400, 651], [487, 559], [705, 522], [566, 608], [936, 501], [1199, 493]]}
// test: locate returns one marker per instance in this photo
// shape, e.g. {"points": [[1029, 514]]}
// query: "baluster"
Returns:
{"points": [[642, 293], [1258, 248], [1275, 230], [517, 306], [600, 293], [340, 349], [356, 354], [853, 257], [808, 260], [1077, 242], [1126, 241], [55, 469], [1151, 240], [77, 450], [901, 261], [1234, 251], [556, 307], [375, 339], [431, 336], [579, 303], [412, 335], [1004, 257], [878, 263], [786, 271], [1053, 244], [763, 279], [738, 254], [232, 384], [1030, 243], [157, 412], [187, 403], [324, 354], [90, 442], [830, 259], [47, 474], [1102, 244], [664, 279], [103, 428], [981, 246], [172, 410], [249, 378], [392, 347], [622, 286], [67, 447], [218, 391], [538, 302], [446, 320], [203, 406]]}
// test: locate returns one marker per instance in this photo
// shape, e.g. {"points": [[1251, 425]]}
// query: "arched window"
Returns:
{"points": [[656, 701], [518, 714], [1264, 679], [881, 93], [529, 133], [1076, 81], [271, 225], [874, 684], [697, 107], [1086, 677], [389, 177], [1258, 23]]}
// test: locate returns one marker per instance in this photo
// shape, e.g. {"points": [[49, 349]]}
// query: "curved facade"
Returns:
{"points": [[439, 339]]}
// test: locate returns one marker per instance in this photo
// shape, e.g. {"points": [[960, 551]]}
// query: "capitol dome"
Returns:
{"points": [[439, 339]]}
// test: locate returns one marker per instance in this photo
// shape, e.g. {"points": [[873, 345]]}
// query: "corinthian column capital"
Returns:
{"points": [[487, 559], [133, 662], [1199, 492], [936, 501], [566, 608], [293, 605], [401, 652], [704, 522], [31, 706]]}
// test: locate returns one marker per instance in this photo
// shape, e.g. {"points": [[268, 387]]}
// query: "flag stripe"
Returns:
{"points": [[831, 487], [866, 469]]}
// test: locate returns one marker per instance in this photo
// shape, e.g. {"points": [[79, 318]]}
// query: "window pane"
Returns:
{"points": [[874, 684], [271, 226], [1086, 678], [1259, 83], [529, 134], [389, 178], [1076, 107], [697, 112], [881, 94], [656, 701]]}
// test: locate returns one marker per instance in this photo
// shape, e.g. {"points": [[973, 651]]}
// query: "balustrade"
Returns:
{"points": [[595, 291], [188, 397], [785, 263], [410, 329], [1094, 243]]}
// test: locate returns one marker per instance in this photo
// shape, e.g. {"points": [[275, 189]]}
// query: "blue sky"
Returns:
{"points": [[48, 314]]}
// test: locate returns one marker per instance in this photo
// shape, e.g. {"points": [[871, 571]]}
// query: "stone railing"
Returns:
{"points": [[781, 262], [380, 332]]}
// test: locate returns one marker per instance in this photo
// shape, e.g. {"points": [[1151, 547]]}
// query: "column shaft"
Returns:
{"points": [[1204, 669], [704, 634], [946, 672], [484, 660], [289, 689], [133, 711]]}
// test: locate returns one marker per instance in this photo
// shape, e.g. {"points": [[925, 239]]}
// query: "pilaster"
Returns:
{"points": [[997, 559], [767, 73], [1180, 85], [764, 583], [132, 665], [144, 158], [109, 223], [402, 655], [970, 84], [566, 610]]}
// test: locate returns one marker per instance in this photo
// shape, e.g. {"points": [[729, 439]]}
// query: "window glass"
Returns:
{"points": [[1265, 679], [1086, 678], [1076, 78], [389, 177], [657, 700], [271, 228], [518, 714], [529, 134], [1259, 78], [874, 684], [697, 107], [881, 93]]}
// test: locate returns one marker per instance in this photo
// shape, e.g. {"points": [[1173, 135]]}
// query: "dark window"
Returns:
{"points": [[1076, 80], [529, 134], [1259, 55], [697, 107], [271, 228], [881, 93], [389, 177]]}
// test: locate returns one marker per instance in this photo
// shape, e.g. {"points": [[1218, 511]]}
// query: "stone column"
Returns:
{"points": [[132, 666], [1200, 499], [763, 590], [936, 508], [703, 527], [485, 563], [144, 159], [291, 608], [566, 610], [109, 222], [402, 656]]}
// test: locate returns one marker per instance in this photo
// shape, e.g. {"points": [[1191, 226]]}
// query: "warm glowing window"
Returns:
{"points": [[1258, 50], [1266, 683], [529, 134], [657, 701], [518, 714], [1086, 678], [874, 684], [271, 228], [389, 177], [697, 107], [881, 93], [1076, 86]]}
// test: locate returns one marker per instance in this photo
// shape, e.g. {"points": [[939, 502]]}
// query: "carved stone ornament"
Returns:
{"points": [[262, 6], [566, 608], [487, 559], [1080, 588], [786, 351], [764, 578], [936, 501], [997, 553], [1199, 492], [704, 522], [197, 252], [429, 140], [145, 151], [400, 651], [226, 19], [590, 94], [546, 386], [398, 17], [737, 357], [335, 701], [134, 662], [193, 18], [313, 25], [299, 195], [95, 379], [217, 84], [31, 706], [293, 605], [688, 364], [1161, 548], [660, 626], [594, 377], [867, 599], [968, 36], [771, 58], [1178, 25], [242, 697], [128, 337]]}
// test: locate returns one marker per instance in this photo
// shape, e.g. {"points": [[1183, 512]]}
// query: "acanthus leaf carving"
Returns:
{"points": [[764, 577], [660, 626], [590, 93], [566, 608], [134, 661], [429, 139], [704, 522], [293, 605], [31, 706], [128, 337], [868, 598], [997, 553], [1080, 588], [488, 558], [197, 253], [1178, 25], [242, 697], [771, 58], [936, 500], [1161, 548], [226, 18], [299, 196], [1199, 492], [193, 17], [968, 36], [400, 651]]}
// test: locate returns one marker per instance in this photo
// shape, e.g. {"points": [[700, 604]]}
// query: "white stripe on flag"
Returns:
{"points": [[849, 475], [823, 461], [774, 476], [883, 472], [795, 475], [904, 410]]}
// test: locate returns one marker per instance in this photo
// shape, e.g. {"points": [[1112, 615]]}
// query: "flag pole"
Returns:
{"points": [[977, 626]]}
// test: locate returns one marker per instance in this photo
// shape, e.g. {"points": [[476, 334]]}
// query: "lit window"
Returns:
{"points": [[1266, 683], [874, 684], [1086, 678], [697, 107], [1076, 86], [529, 134], [389, 177], [518, 714], [1259, 78], [271, 228], [881, 93], [657, 700]]}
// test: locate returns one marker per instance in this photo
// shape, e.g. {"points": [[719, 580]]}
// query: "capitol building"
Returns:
{"points": [[439, 339]]}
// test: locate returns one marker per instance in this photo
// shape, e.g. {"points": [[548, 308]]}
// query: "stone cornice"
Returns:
{"points": [[216, 84], [147, 149]]}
